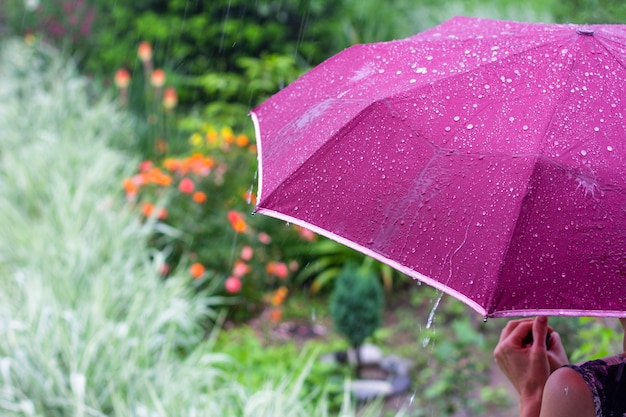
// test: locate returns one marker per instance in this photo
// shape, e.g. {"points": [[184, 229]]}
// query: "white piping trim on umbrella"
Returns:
{"points": [[416, 275], [439, 286], [257, 133], [559, 312]]}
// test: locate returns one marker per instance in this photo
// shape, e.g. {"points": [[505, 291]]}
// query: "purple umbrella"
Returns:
{"points": [[485, 158]]}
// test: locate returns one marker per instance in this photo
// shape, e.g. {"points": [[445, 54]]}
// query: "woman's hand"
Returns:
{"points": [[527, 356]]}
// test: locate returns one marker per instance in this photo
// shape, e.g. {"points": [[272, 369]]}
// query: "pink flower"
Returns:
{"points": [[306, 234], [281, 270], [145, 166], [232, 284], [246, 253], [264, 238], [240, 269], [186, 186], [164, 270]]}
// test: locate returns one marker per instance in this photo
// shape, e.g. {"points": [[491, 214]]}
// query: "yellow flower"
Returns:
{"points": [[196, 140], [227, 134]]}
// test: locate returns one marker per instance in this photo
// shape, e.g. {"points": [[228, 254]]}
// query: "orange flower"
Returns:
{"points": [[160, 145], [197, 270], [227, 134], [236, 221], [172, 164], [186, 186], [242, 141], [275, 315], [250, 197], [279, 296], [144, 50], [211, 137], [122, 78], [199, 197], [147, 209], [232, 284], [130, 187], [198, 164], [170, 98], [155, 176], [157, 78]]}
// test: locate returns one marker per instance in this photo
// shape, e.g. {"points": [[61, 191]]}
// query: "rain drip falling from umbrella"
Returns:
{"points": [[249, 195], [431, 319]]}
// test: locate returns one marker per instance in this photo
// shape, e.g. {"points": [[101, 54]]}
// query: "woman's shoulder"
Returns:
{"points": [[567, 394]]}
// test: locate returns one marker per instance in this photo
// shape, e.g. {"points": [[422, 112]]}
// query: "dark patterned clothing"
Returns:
{"points": [[606, 379]]}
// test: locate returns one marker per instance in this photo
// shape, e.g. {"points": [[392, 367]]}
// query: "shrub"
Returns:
{"points": [[356, 305]]}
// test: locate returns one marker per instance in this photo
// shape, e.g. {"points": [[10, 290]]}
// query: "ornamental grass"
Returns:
{"points": [[89, 326]]}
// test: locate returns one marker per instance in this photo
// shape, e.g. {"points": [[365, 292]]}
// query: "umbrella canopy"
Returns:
{"points": [[485, 158]]}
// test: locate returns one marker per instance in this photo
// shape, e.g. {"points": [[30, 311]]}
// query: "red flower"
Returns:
{"points": [[186, 186], [122, 78], [157, 78], [236, 221], [144, 51], [170, 98]]}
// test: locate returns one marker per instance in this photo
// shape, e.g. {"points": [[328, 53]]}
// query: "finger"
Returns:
{"points": [[556, 352], [540, 331], [511, 326], [518, 334]]}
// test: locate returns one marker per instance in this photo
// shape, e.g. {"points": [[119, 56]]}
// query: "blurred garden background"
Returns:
{"points": [[134, 280]]}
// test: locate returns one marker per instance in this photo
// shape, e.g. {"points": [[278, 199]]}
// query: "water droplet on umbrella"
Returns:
{"points": [[456, 118], [470, 126]]}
